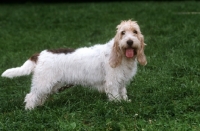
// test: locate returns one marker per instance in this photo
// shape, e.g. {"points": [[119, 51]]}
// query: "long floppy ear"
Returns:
{"points": [[140, 54], [115, 56]]}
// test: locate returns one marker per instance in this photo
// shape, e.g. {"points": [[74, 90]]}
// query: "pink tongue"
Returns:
{"points": [[129, 53]]}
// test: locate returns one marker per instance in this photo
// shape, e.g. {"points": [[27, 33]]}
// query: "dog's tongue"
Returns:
{"points": [[129, 53]]}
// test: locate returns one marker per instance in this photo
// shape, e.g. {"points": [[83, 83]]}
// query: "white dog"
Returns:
{"points": [[108, 67]]}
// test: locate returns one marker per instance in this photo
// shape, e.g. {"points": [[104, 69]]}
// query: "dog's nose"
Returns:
{"points": [[130, 42]]}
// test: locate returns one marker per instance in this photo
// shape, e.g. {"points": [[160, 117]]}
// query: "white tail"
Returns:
{"points": [[25, 69]]}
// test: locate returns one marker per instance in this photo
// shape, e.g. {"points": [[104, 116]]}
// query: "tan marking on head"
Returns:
{"points": [[128, 26], [140, 53], [115, 56]]}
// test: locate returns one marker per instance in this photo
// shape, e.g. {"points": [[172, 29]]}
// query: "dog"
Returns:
{"points": [[106, 67]]}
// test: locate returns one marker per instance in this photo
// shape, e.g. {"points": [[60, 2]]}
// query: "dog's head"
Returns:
{"points": [[128, 43]]}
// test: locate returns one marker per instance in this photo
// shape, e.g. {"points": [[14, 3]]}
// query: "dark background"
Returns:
{"points": [[74, 1]]}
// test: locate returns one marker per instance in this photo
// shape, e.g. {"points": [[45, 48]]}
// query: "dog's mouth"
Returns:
{"points": [[130, 52]]}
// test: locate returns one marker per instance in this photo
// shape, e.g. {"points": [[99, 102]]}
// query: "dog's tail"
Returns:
{"points": [[26, 69]]}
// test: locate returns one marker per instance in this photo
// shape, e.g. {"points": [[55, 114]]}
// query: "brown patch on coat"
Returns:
{"points": [[61, 50], [34, 57], [65, 87]]}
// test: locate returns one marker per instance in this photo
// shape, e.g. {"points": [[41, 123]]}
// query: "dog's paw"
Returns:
{"points": [[129, 100]]}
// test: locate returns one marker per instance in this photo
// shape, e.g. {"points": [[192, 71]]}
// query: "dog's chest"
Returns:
{"points": [[129, 69]]}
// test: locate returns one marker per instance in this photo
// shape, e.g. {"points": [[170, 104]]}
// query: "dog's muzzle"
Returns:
{"points": [[130, 52]]}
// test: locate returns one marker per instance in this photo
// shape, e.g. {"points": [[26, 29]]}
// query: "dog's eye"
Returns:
{"points": [[135, 32], [123, 32]]}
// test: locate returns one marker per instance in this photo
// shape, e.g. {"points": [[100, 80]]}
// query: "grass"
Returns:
{"points": [[165, 94]]}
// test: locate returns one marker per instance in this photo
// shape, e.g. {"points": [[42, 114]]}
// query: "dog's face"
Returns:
{"points": [[129, 43], [128, 37]]}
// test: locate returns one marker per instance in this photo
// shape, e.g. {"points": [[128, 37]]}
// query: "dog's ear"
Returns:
{"points": [[140, 54], [115, 56]]}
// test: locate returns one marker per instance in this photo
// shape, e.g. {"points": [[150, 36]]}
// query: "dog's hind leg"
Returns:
{"points": [[34, 99], [40, 89]]}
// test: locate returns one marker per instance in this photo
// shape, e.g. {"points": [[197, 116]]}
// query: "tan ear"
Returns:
{"points": [[140, 54], [115, 56]]}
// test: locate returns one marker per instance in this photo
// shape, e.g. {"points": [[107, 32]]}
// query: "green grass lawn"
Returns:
{"points": [[165, 93]]}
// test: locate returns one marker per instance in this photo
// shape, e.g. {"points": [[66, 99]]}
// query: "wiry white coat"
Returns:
{"points": [[88, 66]]}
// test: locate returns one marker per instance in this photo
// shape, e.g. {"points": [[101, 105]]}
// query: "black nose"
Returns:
{"points": [[130, 42]]}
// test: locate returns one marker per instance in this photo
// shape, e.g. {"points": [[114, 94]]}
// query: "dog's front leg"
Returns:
{"points": [[123, 93], [112, 91]]}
